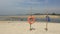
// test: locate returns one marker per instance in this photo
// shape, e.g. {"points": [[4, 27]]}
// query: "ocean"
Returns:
{"points": [[54, 20]]}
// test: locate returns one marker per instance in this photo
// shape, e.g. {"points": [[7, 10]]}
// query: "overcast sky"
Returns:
{"points": [[12, 7]]}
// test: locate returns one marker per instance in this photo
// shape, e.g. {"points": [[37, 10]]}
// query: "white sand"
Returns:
{"points": [[22, 27]]}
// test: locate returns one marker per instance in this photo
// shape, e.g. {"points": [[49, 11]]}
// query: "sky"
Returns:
{"points": [[13, 7]]}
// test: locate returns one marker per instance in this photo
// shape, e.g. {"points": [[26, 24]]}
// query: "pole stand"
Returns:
{"points": [[46, 29], [30, 27]]}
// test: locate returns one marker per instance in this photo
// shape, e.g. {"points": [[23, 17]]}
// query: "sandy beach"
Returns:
{"points": [[22, 27], [36, 16]]}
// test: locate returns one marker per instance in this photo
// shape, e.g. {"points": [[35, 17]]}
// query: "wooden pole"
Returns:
{"points": [[46, 26], [30, 27], [47, 16], [31, 14], [47, 21]]}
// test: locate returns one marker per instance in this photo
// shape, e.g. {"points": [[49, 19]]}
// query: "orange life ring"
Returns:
{"points": [[31, 19]]}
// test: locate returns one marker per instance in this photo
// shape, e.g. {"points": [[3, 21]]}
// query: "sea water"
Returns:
{"points": [[25, 19]]}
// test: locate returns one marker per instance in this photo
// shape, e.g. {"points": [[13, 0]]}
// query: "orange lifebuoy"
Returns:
{"points": [[31, 19]]}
